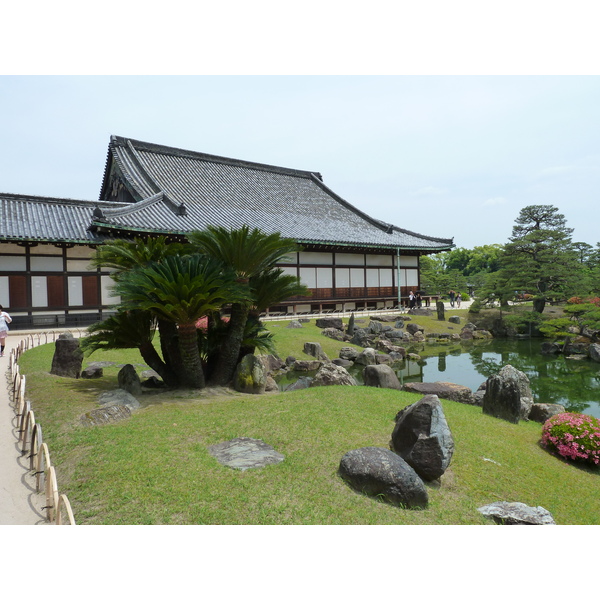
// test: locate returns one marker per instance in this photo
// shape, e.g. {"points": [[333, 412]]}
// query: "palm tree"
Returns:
{"points": [[123, 255], [181, 289], [129, 329], [248, 252]]}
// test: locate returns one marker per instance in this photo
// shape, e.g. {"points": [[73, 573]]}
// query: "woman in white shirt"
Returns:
{"points": [[4, 320]]}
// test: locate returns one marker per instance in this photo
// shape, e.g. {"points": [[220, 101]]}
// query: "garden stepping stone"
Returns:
{"points": [[107, 414], [517, 513], [245, 453]]}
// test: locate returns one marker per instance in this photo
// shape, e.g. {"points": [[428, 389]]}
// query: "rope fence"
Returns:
{"points": [[31, 440]]}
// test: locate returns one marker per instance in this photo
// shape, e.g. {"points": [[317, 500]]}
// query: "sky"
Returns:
{"points": [[445, 156]]}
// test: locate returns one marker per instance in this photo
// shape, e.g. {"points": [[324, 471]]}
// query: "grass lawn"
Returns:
{"points": [[155, 468]]}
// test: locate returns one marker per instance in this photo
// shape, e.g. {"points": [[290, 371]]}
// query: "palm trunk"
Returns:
{"points": [[169, 346], [190, 356], [153, 360], [230, 349]]}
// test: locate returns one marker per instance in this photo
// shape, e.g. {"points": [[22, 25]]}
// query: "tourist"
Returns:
{"points": [[419, 300], [452, 294], [458, 299], [411, 299], [4, 319]]}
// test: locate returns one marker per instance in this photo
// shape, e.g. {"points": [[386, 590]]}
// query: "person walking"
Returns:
{"points": [[411, 299], [4, 320], [458, 299], [451, 294]]}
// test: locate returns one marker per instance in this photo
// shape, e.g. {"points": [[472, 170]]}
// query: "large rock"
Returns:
{"points": [[362, 338], [540, 412], [302, 383], [335, 322], [366, 357], [306, 365], [118, 398], [245, 453], [439, 306], [314, 349], [502, 399], [381, 376], [348, 353], [381, 473], [332, 374], [516, 513], [250, 376], [129, 380], [423, 439], [594, 351], [413, 328], [294, 324], [442, 389], [334, 334], [509, 373], [68, 357]]}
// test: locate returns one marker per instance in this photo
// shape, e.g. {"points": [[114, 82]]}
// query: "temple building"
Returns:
{"points": [[349, 260]]}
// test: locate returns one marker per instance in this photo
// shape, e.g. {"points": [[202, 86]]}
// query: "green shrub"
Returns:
{"points": [[574, 436], [475, 306]]}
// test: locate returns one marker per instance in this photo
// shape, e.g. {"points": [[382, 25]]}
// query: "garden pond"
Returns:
{"points": [[574, 383]]}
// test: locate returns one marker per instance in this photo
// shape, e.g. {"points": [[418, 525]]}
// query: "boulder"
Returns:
{"points": [[440, 310], [271, 385], [413, 328], [348, 353], [550, 348], [414, 357], [250, 375], [118, 398], [421, 312], [332, 374], [516, 513], [293, 324], [399, 324], [129, 380], [106, 414], [366, 357], [396, 334], [454, 319], [92, 373], [362, 338], [522, 381], [541, 412], [68, 357], [383, 359], [384, 318], [595, 352], [334, 322], [423, 439], [301, 383], [375, 327], [334, 334], [271, 363], [342, 362], [381, 473], [442, 389], [314, 349], [381, 376], [306, 365], [502, 399]]}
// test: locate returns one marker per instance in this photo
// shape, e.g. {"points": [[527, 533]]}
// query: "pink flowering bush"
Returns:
{"points": [[573, 436]]}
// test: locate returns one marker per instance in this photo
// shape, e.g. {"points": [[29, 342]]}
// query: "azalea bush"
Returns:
{"points": [[574, 436]]}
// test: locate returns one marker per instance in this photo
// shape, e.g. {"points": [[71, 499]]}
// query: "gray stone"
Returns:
{"points": [[106, 414], [595, 352], [413, 328], [502, 399], [245, 453], [341, 362], [334, 334], [250, 375], [314, 349], [541, 412], [454, 319], [332, 374], [381, 376], [516, 513], [293, 324], [395, 334], [421, 312], [271, 385], [414, 357], [271, 363], [399, 324], [362, 338], [383, 359], [550, 348], [366, 357], [423, 439], [325, 322], [68, 357], [118, 398], [381, 473], [307, 365], [442, 389], [348, 353], [129, 380], [509, 372], [375, 327], [384, 318], [302, 383], [440, 311], [92, 373]]}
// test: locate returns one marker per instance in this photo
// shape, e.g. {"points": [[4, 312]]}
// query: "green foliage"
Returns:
{"points": [[524, 322], [584, 317]]}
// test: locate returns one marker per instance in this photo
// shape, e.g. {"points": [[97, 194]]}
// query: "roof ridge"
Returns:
{"points": [[172, 151], [55, 200]]}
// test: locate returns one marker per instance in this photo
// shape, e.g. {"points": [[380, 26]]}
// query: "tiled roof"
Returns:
{"points": [[179, 191], [37, 218]]}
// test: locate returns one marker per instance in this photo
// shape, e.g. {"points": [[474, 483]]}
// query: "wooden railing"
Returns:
{"points": [[31, 438]]}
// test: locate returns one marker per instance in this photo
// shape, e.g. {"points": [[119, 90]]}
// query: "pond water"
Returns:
{"points": [[555, 380]]}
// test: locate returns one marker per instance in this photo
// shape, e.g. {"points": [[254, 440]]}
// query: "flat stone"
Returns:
{"points": [[516, 513], [245, 453], [105, 415], [442, 389]]}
